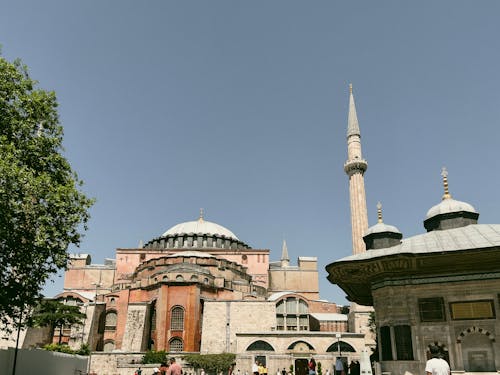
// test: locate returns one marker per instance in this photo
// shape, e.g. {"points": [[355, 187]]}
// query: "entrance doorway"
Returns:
{"points": [[301, 366]]}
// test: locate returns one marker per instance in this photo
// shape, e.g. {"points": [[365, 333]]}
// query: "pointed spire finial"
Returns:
{"points": [[379, 212], [285, 260], [201, 215], [444, 173], [352, 119]]}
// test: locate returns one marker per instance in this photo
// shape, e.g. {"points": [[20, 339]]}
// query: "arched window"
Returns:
{"points": [[109, 346], [112, 301], [179, 278], [292, 314], [300, 346], [177, 318], [111, 320], [176, 345], [260, 346], [344, 347], [194, 278]]}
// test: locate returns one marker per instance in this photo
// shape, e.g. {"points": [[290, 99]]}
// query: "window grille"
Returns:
{"points": [[111, 320], [431, 309], [404, 347], [177, 319], [176, 345]]}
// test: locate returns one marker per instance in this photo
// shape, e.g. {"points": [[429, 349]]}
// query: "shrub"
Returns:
{"points": [[211, 363], [154, 356], [84, 349]]}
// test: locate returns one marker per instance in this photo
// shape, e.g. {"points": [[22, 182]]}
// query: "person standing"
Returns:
{"points": [[255, 368], [436, 365], [312, 366], [339, 367], [283, 372], [174, 368]]}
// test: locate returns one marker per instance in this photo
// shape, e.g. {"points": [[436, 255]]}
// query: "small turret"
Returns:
{"points": [[381, 235], [449, 213]]}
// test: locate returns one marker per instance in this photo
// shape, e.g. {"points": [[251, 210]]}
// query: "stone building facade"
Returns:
{"points": [[198, 288]]}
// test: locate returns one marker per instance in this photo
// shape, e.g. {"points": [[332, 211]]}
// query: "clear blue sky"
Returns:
{"points": [[241, 108]]}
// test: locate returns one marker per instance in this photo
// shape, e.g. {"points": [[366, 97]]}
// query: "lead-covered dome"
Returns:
{"points": [[449, 205], [198, 234], [449, 213], [200, 226]]}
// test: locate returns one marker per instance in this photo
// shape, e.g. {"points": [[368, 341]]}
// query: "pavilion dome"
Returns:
{"points": [[199, 226], [448, 206], [449, 213], [382, 228]]}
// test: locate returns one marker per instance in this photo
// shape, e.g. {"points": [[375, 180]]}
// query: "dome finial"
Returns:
{"points": [[350, 88], [201, 215], [379, 212], [444, 173]]}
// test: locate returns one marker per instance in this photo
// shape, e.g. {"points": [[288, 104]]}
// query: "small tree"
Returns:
{"points": [[320, 371], [291, 369], [56, 315]]}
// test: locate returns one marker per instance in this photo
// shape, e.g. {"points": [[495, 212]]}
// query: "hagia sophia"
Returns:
{"points": [[199, 288]]}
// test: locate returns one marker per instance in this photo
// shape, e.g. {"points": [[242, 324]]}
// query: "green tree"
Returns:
{"points": [[42, 210], [56, 315]]}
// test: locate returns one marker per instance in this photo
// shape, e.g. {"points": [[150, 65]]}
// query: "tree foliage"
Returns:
{"points": [[42, 210], [153, 356], [211, 363], [55, 314], [84, 349]]}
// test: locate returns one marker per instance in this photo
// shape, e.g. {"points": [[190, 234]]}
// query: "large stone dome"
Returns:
{"points": [[197, 234], [200, 226]]}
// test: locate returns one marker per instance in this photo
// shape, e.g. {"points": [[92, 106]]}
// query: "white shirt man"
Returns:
{"points": [[436, 365]]}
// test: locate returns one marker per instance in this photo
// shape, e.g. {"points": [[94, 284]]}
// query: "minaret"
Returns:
{"points": [[285, 260], [355, 167]]}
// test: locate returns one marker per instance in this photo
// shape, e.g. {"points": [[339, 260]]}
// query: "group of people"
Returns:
{"points": [[171, 368], [434, 366], [258, 368]]}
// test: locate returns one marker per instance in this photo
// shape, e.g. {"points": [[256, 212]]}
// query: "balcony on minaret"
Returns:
{"points": [[355, 165]]}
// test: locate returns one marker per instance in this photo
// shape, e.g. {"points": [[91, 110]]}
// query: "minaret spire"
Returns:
{"points": [[352, 119], [285, 260], [355, 167]]}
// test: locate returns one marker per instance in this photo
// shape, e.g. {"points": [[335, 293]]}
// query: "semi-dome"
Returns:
{"points": [[449, 205], [200, 226]]}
